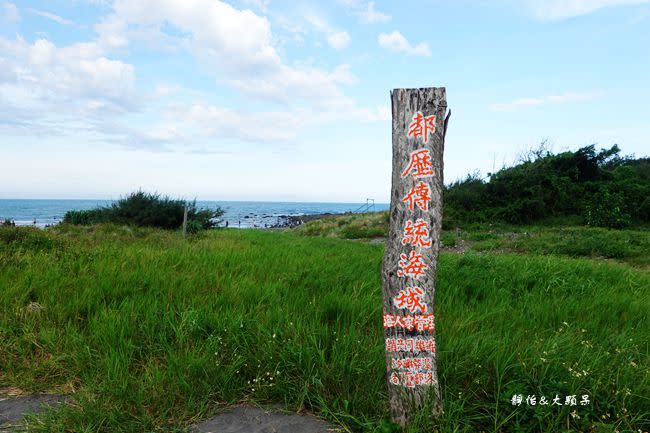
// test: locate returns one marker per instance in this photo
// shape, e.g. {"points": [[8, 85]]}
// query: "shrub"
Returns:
{"points": [[545, 185], [148, 210], [607, 209], [86, 217]]}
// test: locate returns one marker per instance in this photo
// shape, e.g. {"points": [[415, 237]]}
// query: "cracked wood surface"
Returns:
{"points": [[405, 104]]}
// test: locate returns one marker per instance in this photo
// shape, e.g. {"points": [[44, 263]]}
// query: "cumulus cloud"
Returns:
{"points": [[561, 9], [223, 37], [49, 89], [75, 72], [339, 40], [236, 45], [65, 89], [553, 99], [396, 42]]}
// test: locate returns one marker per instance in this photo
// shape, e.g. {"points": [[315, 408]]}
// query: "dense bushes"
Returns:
{"points": [[601, 187], [148, 210]]}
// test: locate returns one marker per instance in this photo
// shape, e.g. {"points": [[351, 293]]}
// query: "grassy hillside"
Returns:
{"points": [[151, 332]]}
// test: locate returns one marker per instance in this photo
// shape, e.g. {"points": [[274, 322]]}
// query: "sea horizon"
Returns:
{"points": [[45, 212]]}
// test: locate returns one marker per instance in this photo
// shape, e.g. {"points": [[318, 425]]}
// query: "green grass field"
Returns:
{"points": [[152, 332], [630, 246]]}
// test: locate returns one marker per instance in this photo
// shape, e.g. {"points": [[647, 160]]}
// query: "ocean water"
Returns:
{"points": [[244, 214]]}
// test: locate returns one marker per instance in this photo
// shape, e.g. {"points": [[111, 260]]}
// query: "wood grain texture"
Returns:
{"points": [[406, 103]]}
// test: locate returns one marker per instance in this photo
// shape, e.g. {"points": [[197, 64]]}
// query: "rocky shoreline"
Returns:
{"points": [[278, 221]]}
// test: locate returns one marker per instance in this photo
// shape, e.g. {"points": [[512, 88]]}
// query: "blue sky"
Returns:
{"points": [[289, 100]]}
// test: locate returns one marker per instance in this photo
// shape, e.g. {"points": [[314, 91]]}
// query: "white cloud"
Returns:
{"points": [[224, 122], [339, 40], [77, 90], [50, 16], [318, 22], [395, 41], [370, 15], [553, 99], [210, 121], [561, 9], [236, 45], [112, 32], [233, 41], [50, 88], [10, 12], [336, 39], [315, 85]]}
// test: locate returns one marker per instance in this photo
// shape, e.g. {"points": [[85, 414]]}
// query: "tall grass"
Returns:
{"points": [[152, 332]]}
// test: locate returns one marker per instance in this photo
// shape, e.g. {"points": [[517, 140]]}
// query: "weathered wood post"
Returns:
{"points": [[409, 266]]}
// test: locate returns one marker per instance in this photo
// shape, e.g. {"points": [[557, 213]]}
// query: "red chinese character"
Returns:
{"points": [[422, 126], [407, 322], [415, 234], [419, 195], [408, 380], [421, 163], [411, 266], [411, 299]]}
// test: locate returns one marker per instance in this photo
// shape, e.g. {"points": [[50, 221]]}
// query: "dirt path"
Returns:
{"points": [[239, 419], [248, 419], [14, 408]]}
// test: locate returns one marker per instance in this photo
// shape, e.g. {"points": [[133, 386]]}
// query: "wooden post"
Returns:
{"points": [[185, 221], [409, 266]]}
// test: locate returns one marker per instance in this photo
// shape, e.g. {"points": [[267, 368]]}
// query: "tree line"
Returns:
{"points": [[600, 188]]}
